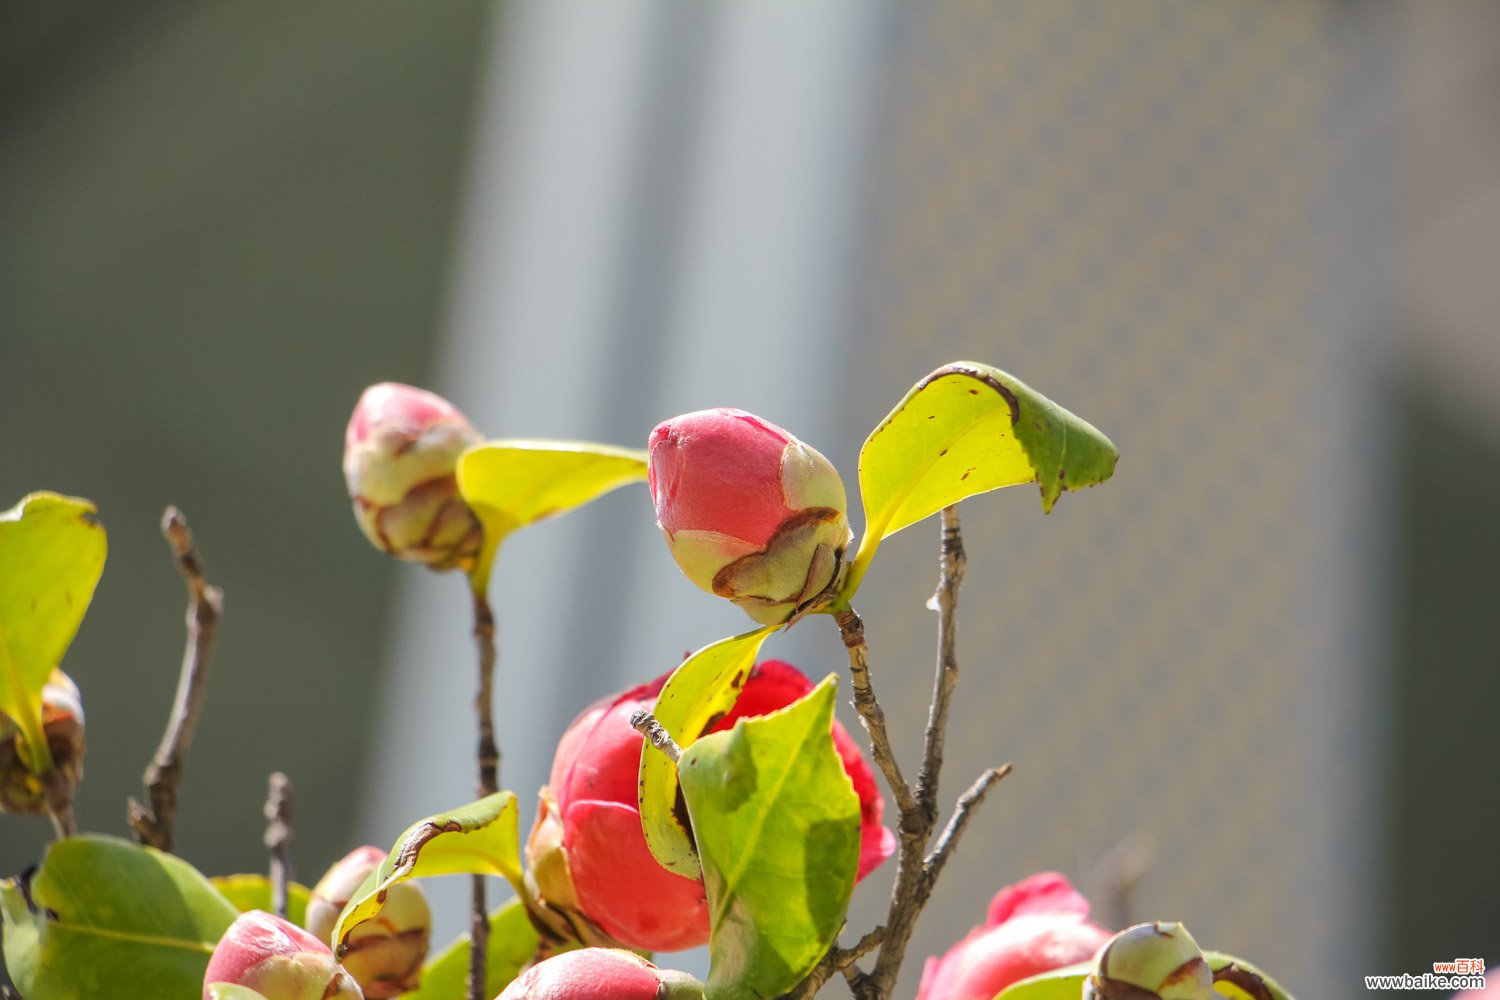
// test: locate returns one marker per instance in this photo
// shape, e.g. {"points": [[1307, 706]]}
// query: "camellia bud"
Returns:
{"points": [[1151, 960], [588, 856], [22, 791], [1034, 926], [601, 974], [385, 953], [750, 513], [400, 452], [279, 960]]}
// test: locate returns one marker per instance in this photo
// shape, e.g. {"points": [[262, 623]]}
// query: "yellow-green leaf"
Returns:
{"points": [[703, 689], [777, 822], [1059, 984], [1237, 979], [513, 943], [233, 991], [966, 429], [510, 484], [481, 838], [51, 555], [253, 892]]}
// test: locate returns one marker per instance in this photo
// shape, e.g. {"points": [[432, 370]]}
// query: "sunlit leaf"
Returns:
{"points": [[104, 917], [513, 943], [511, 484], [777, 823], [481, 838], [1237, 979], [699, 693], [233, 991], [51, 554], [966, 429], [253, 892], [1059, 984]]}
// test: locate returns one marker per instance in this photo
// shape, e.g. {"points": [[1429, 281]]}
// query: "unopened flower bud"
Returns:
{"points": [[1151, 960], [279, 960], [601, 974], [400, 453], [385, 953], [749, 512], [22, 791]]}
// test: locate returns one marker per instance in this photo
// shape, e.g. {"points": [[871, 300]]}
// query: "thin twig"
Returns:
{"points": [[489, 779], [279, 839], [852, 631], [656, 734], [153, 823], [837, 960], [945, 602], [962, 812]]}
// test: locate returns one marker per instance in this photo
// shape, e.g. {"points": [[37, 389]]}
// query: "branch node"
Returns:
{"points": [[643, 722]]}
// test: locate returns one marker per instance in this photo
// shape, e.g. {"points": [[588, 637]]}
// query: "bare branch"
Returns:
{"points": [[958, 822], [945, 602], [656, 734], [279, 839], [489, 777], [852, 631], [837, 960], [153, 823]]}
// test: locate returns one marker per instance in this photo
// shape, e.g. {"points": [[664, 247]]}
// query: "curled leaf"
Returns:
{"points": [[965, 429], [481, 838], [702, 690]]}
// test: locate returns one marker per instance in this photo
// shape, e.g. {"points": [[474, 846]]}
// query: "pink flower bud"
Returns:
{"points": [[1034, 926], [384, 954], [601, 974], [267, 954], [749, 512], [400, 452], [21, 791], [587, 852]]}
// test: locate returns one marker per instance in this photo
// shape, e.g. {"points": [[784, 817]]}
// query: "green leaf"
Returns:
{"points": [[510, 484], [253, 892], [233, 991], [777, 822], [51, 556], [1059, 984], [1237, 979], [104, 917], [513, 943], [700, 691], [966, 429], [481, 838]]}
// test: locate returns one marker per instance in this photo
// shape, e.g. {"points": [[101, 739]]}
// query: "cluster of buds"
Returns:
{"points": [[278, 960], [385, 953], [587, 854], [749, 512], [601, 974], [1034, 926], [400, 452], [22, 790], [1156, 961]]}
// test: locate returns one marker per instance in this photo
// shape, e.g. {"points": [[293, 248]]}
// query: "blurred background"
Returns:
{"points": [[1248, 684]]}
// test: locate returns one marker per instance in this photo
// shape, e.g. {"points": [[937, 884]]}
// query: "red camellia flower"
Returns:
{"points": [[1033, 927], [279, 960], [587, 852], [749, 512], [601, 974], [400, 452]]}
